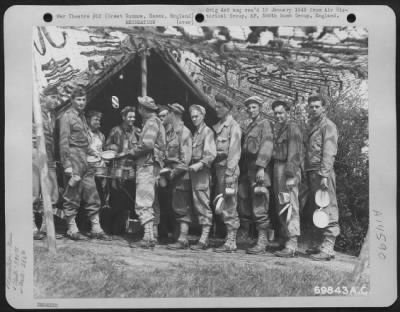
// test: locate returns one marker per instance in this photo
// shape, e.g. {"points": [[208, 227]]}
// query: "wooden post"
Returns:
{"points": [[42, 158], [143, 62]]}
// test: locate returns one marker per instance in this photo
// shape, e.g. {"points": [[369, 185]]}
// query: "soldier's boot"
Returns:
{"points": [[182, 242], [203, 241], [148, 240], [326, 251], [230, 243], [262, 242], [290, 249], [73, 232], [97, 231], [243, 234]]}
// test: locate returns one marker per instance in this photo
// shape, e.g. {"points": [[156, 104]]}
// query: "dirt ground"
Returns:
{"points": [[161, 257]]}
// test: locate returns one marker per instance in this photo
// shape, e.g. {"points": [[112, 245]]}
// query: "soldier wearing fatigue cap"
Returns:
{"points": [[257, 153], [321, 149], [121, 139], [178, 157], [228, 142], [49, 102], [287, 175], [204, 153], [149, 156], [74, 150]]}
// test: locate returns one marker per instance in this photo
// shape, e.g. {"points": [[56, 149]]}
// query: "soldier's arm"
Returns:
{"points": [[295, 141], [64, 141], [110, 139], [235, 150], [210, 149], [149, 136], [266, 146], [329, 149], [185, 151]]}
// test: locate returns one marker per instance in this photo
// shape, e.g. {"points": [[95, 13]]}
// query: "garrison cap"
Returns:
{"points": [[253, 99], [198, 108], [224, 100], [177, 108], [148, 102]]}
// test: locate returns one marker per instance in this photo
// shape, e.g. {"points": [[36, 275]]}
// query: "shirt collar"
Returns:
{"points": [[201, 128]]}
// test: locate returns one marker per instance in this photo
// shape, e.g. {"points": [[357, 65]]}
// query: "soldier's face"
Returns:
{"points": [[95, 122], [163, 115], [79, 103], [315, 109], [281, 114], [52, 101], [253, 110], [130, 118], [197, 118], [221, 110]]}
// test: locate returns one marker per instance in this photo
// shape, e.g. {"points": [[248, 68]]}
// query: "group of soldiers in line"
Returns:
{"points": [[245, 166]]}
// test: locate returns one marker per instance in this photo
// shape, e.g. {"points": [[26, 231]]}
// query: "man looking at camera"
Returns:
{"points": [[321, 149]]}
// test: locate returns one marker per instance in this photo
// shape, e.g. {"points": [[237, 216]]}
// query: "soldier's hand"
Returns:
{"points": [[290, 183], [260, 175], [324, 183], [68, 170], [196, 167]]}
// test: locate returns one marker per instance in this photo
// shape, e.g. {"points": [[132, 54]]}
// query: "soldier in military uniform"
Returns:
{"points": [[228, 142], [121, 139], [149, 155], [257, 153], [48, 103], [287, 176], [178, 157], [97, 142], [321, 149], [74, 150], [203, 154]]}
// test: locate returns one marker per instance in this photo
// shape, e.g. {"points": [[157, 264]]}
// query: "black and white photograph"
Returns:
{"points": [[200, 162]]}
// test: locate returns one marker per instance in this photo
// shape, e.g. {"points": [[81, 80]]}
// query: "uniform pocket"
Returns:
{"points": [[253, 144], [222, 145], [197, 152]]}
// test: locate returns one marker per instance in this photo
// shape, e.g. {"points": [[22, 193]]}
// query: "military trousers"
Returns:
{"points": [[288, 228], [258, 204], [201, 195], [309, 188], [147, 207], [36, 188], [244, 204], [182, 198], [230, 215]]}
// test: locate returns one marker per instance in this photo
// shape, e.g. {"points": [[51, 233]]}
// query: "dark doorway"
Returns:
{"points": [[163, 85]]}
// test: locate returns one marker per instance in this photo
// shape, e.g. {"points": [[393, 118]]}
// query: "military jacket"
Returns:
{"points": [[288, 143], [151, 143], [48, 123], [228, 141], [321, 146], [74, 132], [179, 147], [204, 148], [258, 142]]}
